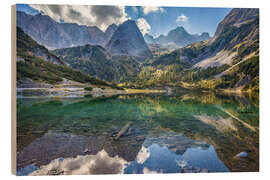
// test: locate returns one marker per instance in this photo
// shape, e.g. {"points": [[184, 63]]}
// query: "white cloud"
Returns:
{"points": [[100, 16], [147, 171], [182, 18], [149, 9], [143, 25], [143, 155], [82, 165]]}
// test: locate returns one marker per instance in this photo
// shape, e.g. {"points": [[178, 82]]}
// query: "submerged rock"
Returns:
{"points": [[242, 155]]}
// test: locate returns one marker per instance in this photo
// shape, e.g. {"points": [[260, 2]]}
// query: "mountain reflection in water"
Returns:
{"points": [[169, 153], [169, 134]]}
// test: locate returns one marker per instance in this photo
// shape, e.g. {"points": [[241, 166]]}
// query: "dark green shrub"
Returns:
{"points": [[88, 88]]}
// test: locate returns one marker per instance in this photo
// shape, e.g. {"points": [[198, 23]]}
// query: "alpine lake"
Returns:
{"points": [[186, 132]]}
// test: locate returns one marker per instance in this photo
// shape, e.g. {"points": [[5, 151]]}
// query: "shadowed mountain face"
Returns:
{"points": [[53, 35], [118, 62], [26, 44], [37, 66], [128, 40], [109, 31], [97, 62], [178, 36]]}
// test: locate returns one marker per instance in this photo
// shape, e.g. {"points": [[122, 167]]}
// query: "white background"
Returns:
{"points": [[5, 83]]}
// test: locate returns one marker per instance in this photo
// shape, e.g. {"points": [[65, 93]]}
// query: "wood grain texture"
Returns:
{"points": [[13, 89]]}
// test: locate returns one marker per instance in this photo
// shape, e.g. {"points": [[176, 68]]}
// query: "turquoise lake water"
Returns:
{"points": [[187, 132]]}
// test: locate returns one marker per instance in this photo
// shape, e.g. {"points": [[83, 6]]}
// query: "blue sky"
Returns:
{"points": [[156, 20], [198, 20]]}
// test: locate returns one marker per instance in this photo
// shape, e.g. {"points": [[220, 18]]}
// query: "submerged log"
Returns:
{"points": [[122, 131]]}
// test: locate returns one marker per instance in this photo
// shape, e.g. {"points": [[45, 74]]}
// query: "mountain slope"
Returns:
{"points": [[128, 40], [236, 17], [52, 34], [35, 64], [236, 41], [97, 62], [25, 44], [178, 36]]}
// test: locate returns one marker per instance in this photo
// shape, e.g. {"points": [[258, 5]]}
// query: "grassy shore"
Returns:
{"points": [[135, 91]]}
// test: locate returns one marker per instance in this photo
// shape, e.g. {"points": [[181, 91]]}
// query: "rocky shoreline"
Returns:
{"points": [[76, 92]]}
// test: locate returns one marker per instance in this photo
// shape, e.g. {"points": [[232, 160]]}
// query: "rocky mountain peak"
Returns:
{"points": [[54, 35], [236, 17], [110, 30], [128, 40], [178, 36], [180, 29], [205, 35]]}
